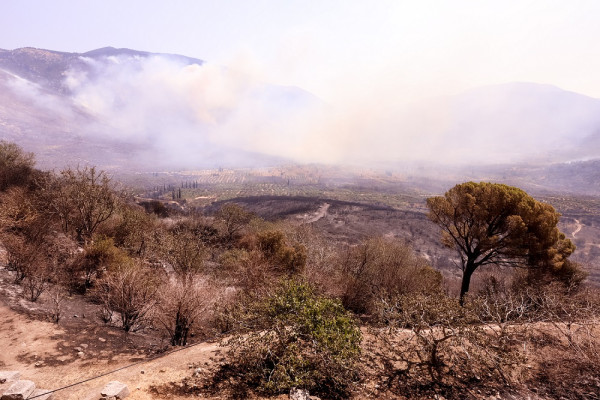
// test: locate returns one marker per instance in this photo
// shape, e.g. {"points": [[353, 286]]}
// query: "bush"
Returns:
{"points": [[183, 303], [129, 290], [296, 339], [289, 259], [432, 343], [382, 268], [16, 166]]}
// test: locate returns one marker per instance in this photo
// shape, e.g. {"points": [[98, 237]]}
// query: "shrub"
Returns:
{"points": [[434, 343], [382, 268], [183, 302], [129, 290], [289, 259], [296, 339]]}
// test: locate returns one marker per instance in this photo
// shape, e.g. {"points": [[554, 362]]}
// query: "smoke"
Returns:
{"points": [[187, 112], [176, 113]]}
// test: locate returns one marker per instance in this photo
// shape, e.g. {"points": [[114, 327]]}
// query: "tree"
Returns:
{"points": [[130, 291], [83, 200], [184, 251], [490, 223], [233, 218], [16, 166], [183, 301]]}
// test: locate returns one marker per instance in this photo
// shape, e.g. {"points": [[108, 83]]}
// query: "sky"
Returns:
{"points": [[379, 67], [338, 50]]}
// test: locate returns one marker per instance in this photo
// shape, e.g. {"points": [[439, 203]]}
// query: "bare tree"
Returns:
{"points": [[183, 302], [131, 292]]}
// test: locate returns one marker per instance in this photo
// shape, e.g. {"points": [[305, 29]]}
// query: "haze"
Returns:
{"points": [[379, 71]]}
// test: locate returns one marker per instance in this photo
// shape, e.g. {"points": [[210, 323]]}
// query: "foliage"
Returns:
{"points": [[233, 218], [296, 339], [289, 259], [488, 223], [132, 229], [383, 268], [98, 257], [16, 166]]}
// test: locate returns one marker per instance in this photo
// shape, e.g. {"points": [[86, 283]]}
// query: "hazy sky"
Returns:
{"points": [[339, 50]]}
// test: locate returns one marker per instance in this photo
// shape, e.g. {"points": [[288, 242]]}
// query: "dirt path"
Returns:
{"points": [[321, 213], [577, 229], [46, 354]]}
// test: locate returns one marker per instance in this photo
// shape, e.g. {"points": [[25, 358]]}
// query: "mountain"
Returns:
{"points": [[526, 122], [123, 108], [130, 109], [48, 68]]}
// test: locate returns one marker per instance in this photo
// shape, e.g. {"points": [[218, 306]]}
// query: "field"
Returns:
{"points": [[357, 204]]}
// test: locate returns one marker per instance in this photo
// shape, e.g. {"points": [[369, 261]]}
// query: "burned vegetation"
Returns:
{"points": [[315, 293]]}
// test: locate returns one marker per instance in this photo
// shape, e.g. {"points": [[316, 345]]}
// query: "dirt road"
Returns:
{"points": [[48, 355]]}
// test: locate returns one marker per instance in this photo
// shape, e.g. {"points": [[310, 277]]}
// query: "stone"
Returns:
{"points": [[78, 349], [43, 394], [299, 394], [115, 389], [102, 339], [8, 376], [81, 354], [20, 390]]}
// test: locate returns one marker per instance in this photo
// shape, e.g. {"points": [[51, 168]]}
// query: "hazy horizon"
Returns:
{"points": [[381, 74]]}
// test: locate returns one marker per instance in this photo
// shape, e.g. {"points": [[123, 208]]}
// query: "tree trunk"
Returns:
{"points": [[466, 280]]}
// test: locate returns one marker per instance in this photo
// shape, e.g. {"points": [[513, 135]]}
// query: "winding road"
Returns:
{"points": [[577, 229]]}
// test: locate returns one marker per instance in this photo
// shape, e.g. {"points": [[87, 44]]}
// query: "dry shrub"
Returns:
{"points": [[434, 345], [384, 268], [566, 344], [130, 291], [183, 302]]}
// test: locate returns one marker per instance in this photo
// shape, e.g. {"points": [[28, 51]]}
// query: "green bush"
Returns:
{"points": [[296, 339]]}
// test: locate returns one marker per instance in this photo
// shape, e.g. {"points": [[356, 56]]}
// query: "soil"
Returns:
{"points": [[80, 347]]}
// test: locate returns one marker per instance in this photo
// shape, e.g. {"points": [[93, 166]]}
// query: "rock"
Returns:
{"points": [[142, 372], [162, 370], [81, 354], [299, 394], [78, 349], [115, 389], [38, 364], [198, 372], [43, 394], [102, 339], [20, 390], [7, 376], [84, 345]]}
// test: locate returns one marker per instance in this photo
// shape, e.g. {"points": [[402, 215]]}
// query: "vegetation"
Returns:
{"points": [[488, 223], [295, 338], [294, 301]]}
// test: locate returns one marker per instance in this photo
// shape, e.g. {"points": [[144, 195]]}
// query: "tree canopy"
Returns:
{"points": [[16, 166], [490, 223]]}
